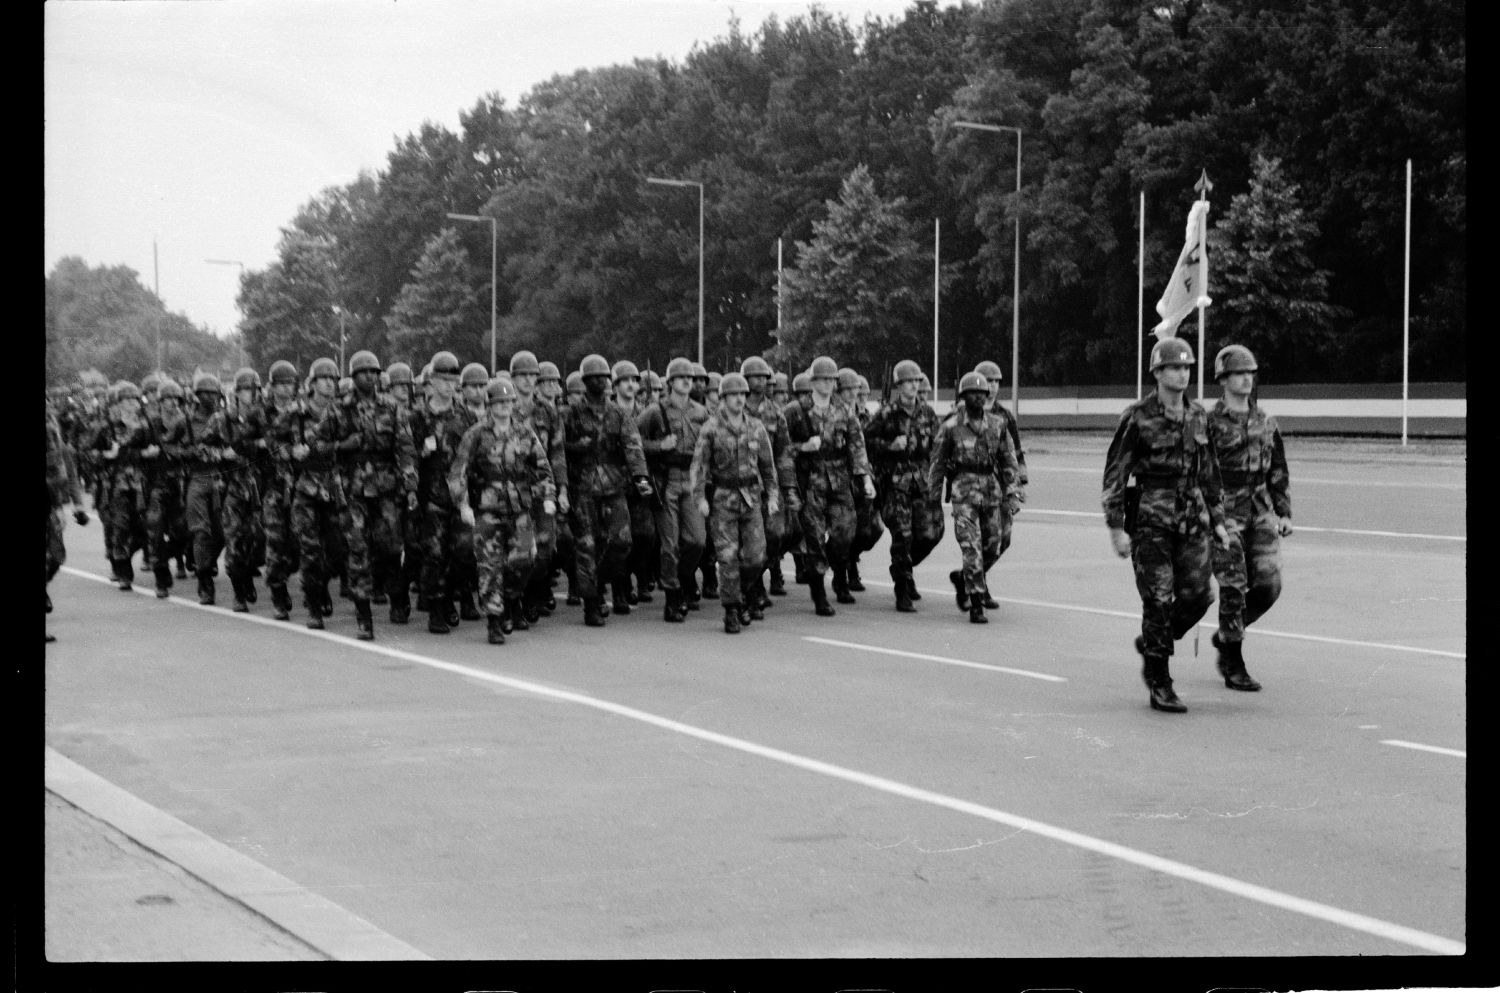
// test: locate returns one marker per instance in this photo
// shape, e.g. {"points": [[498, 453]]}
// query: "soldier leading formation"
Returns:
{"points": [[482, 495]]}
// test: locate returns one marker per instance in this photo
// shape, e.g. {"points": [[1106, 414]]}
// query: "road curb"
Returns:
{"points": [[320, 923]]}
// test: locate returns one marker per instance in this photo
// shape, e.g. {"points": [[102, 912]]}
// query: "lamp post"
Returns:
{"points": [[689, 182], [242, 281], [494, 250], [1015, 321], [340, 311]]}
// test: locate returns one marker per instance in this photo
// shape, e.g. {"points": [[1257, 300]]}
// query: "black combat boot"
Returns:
{"points": [[674, 612], [594, 613], [851, 576], [800, 575], [690, 598], [237, 584], [731, 619], [957, 579], [976, 613], [710, 583], [841, 585], [573, 599], [911, 589], [364, 622], [778, 582], [326, 602], [450, 611], [205, 590], [988, 601], [437, 619], [314, 605], [903, 597], [516, 612], [400, 605], [124, 574], [181, 568], [821, 606], [496, 634], [467, 609], [281, 603], [1159, 684], [345, 593], [1232, 665], [620, 587]]}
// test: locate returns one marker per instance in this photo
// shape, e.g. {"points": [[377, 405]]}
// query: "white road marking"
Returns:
{"points": [[937, 658], [1098, 516], [1426, 748], [1362, 484], [1227, 884]]}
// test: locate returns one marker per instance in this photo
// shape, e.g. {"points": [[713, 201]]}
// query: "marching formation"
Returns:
{"points": [[468, 497]]}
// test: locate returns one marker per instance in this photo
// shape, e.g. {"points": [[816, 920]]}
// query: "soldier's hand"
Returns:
{"points": [[869, 487], [150, 452], [411, 501], [466, 514], [1283, 526], [562, 502], [792, 501], [813, 444], [429, 444], [112, 450], [669, 441], [643, 486], [1012, 506], [899, 442], [1222, 535], [703, 507], [773, 504], [549, 507], [80, 515], [299, 451], [1121, 541]]}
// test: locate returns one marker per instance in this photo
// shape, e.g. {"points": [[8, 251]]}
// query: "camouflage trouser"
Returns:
{"points": [[126, 513], [439, 538], [411, 548], [1249, 574], [242, 527], [545, 527], [315, 522], [463, 569], [977, 527], [643, 554], [1007, 519], [828, 523], [739, 538], [916, 526], [601, 541], [372, 529], [281, 542], [1171, 574], [166, 520], [100, 497], [504, 552], [783, 528], [681, 532], [205, 508], [56, 553], [867, 526]]}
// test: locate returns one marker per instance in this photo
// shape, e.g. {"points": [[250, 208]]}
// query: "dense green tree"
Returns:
{"points": [[288, 307], [438, 308]]}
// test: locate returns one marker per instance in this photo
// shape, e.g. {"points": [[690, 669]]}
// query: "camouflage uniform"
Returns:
{"points": [[440, 526], [277, 427], [503, 474], [604, 453], [1173, 463], [1256, 492], [980, 460], [166, 514], [206, 434], [825, 480], [317, 504], [867, 512], [244, 534], [910, 508], [546, 422], [738, 460], [783, 528], [680, 529], [63, 486], [1006, 517], [644, 551], [374, 446], [124, 493]]}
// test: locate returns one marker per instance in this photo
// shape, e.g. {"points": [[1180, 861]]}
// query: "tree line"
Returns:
{"points": [[840, 143]]}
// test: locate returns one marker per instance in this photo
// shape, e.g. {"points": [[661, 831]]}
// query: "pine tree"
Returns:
{"points": [[437, 308]]}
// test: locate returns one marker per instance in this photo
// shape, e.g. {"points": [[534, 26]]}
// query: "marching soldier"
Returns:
{"points": [[762, 404], [242, 487], [975, 453], [899, 442], [1257, 510], [499, 474], [533, 409], [437, 425], [208, 453], [734, 453], [627, 381], [276, 427], [992, 375], [669, 430], [1163, 441], [63, 486], [318, 497], [853, 391]]}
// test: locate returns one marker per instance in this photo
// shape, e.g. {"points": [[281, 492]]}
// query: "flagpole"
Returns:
{"points": [[1140, 296], [1406, 310], [937, 236], [1203, 186]]}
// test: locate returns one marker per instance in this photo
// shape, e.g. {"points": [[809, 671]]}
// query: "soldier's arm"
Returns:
{"points": [[937, 468], [649, 425], [1210, 484], [575, 442], [859, 461], [1118, 464], [635, 455], [406, 453], [786, 464], [767, 462], [1008, 467], [1279, 479], [1015, 436], [458, 469], [543, 486], [702, 461]]}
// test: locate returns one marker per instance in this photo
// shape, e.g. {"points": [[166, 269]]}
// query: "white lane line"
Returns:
{"points": [[1426, 748], [936, 658], [1250, 891], [1096, 515], [1374, 483]]}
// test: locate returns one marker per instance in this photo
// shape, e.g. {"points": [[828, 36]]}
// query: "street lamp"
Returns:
{"points": [[242, 282], [689, 182], [1015, 321], [340, 311], [494, 250]]}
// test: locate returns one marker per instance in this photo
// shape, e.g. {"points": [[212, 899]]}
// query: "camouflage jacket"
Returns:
{"points": [[604, 449], [773, 416], [206, 436], [1172, 461], [546, 421], [734, 457], [62, 475], [685, 424], [842, 455], [1252, 462], [315, 474], [978, 457], [1013, 429], [903, 469], [372, 441], [434, 462], [501, 471]]}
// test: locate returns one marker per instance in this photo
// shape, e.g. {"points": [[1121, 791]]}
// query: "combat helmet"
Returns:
{"points": [[1233, 358], [1171, 351]]}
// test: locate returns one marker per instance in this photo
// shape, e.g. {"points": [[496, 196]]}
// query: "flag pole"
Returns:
{"points": [[1140, 296], [1202, 186], [937, 236], [1406, 309]]}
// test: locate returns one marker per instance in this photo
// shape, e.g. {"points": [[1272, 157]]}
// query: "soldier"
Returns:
{"points": [[532, 409], [473, 383], [627, 381], [700, 385], [549, 382], [574, 391], [1163, 441], [242, 489], [401, 385], [604, 450], [992, 375], [734, 452], [924, 391], [853, 391], [973, 451], [318, 494], [762, 405], [128, 446], [899, 442], [831, 461], [275, 427], [1257, 509], [63, 486], [802, 394], [669, 430], [501, 470], [374, 446], [209, 451], [437, 426]]}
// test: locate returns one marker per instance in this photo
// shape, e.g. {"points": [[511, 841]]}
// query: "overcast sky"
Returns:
{"points": [[205, 125]]}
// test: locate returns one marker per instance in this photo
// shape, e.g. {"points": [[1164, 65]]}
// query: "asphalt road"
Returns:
{"points": [[870, 786]]}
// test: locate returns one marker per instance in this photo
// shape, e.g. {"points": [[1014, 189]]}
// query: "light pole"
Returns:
{"points": [[242, 282], [689, 182], [1015, 320], [494, 250], [340, 311]]}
